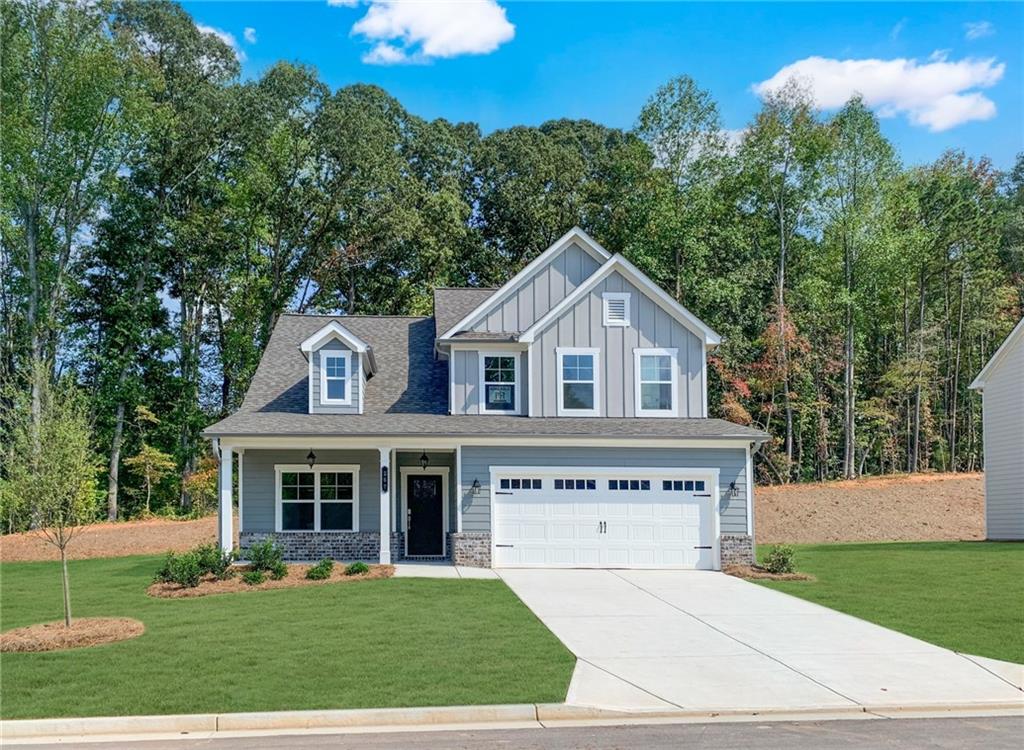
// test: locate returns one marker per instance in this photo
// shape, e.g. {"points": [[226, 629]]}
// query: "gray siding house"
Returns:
{"points": [[1001, 383], [558, 421]]}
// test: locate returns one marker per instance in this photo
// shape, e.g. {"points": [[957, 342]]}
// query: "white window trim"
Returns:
{"points": [[517, 385], [673, 354], [317, 470], [605, 299], [323, 354], [562, 411]]}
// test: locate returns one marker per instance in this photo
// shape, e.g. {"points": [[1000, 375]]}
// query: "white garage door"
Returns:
{"points": [[581, 519]]}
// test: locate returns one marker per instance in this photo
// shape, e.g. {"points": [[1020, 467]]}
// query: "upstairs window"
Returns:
{"points": [[577, 382], [656, 374], [335, 371], [616, 309], [499, 378]]}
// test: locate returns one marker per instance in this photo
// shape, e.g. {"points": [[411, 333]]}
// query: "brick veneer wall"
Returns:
{"points": [[472, 549], [315, 545], [737, 549]]}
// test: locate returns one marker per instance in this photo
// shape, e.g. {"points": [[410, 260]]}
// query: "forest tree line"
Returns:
{"points": [[159, 213]]}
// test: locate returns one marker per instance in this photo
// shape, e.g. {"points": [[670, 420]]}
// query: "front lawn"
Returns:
{"points": [[394, 642], [967, 596]]}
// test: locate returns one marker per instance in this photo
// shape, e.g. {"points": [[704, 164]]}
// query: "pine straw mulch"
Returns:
{"points": [[757, 573], [84, 631], [296, 577]]}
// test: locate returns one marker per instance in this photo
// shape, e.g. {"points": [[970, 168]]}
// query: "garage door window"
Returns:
{"points": [[689, 485], [629, 484], [575, 484], [520, 484]]}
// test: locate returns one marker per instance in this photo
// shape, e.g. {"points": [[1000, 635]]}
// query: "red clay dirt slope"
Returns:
{"points": [[921, 507], [924, 507]]}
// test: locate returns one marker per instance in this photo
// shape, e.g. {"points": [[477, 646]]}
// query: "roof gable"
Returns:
{"points": [[1017, 334], [574, 235], [619, 264]]}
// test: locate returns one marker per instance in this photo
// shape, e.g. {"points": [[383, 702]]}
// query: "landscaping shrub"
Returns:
{"points": [[185, 569], [321, 571], [779, 559], [278, 570], [163, 573], [214, 561], [354, 569], [254, 577], [265, 555]]}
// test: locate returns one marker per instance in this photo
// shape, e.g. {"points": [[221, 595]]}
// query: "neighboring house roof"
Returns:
{"points": [[452, 305], [409, 394], [993, 364], [619, 264], [577, 235]]}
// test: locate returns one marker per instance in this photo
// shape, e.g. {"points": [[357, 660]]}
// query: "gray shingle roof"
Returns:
{"points": [[409, 394], [452, 305]]}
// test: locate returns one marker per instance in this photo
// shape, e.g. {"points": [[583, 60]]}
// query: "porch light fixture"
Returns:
{"points": [[311, 458], [734, 491], [476, 487], [424, 460]]}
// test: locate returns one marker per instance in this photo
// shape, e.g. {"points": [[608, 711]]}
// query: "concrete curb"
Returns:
{"points": [[447, 717]]}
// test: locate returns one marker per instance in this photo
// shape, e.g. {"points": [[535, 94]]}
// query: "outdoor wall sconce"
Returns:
{"points": [[311, 458], [734, 491], [476, 487], [424, 460]]}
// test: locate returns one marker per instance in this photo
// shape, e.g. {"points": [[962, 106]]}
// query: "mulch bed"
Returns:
{"points": [[757, 573], [296, 577], [85, 631]]}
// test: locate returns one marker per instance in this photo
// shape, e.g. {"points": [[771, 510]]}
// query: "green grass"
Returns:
{"points": [[967, 596], [394, 642]]}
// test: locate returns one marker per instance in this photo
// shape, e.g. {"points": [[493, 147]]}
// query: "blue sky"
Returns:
{"points": [[945, 75]]}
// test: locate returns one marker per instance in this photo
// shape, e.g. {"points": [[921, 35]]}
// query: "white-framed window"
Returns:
{"points": [[336, 377], [324, 498], [577, 382], [657, 379], [616, 308], [499, 382]]}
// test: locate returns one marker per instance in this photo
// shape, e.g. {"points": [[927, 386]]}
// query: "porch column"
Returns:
{"points": [[385, 505], [225, 519]]}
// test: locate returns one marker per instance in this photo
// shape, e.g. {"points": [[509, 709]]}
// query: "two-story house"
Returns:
{"points": [[559, 421]]}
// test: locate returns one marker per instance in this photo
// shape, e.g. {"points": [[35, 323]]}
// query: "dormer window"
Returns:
{"points": [[616, 309], [335, 372]]}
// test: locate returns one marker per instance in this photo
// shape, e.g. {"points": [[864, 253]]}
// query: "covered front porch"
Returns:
{"points": [[384, 503]]}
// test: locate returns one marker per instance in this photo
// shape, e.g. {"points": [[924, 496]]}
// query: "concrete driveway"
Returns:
{"points": [[701, 640]]}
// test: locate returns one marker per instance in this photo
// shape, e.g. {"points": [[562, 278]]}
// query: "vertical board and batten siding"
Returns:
{"points": [[548, 286], [1003, 415], [465, 375], [437, 460], [334, 346], [260, 489], [650, 327], [477, 462]]}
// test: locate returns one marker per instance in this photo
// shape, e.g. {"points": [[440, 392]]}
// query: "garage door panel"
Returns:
{"points": [[579, 521]]}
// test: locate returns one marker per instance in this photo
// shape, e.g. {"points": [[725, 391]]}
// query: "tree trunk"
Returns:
{"points": [[915, 454], [115, 462], [67, 588], [849, 427]]}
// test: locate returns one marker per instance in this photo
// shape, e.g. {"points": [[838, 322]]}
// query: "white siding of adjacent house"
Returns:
{"points": [[1003, 409]]}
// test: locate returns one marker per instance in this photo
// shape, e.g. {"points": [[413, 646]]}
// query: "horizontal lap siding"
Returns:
{"points": [[259, 491], [352, 384], [477, 462], [1003, 409]]}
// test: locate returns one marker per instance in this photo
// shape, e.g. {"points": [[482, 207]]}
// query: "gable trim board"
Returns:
{"points": [[639, 279], [986, 372], [588, 243]]}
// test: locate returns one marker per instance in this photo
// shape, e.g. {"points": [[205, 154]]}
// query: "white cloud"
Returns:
{"points": [[978, 29], [225, 36], [343, 3], [411, 31], [249, 34], [896, 30], [937, 94]]}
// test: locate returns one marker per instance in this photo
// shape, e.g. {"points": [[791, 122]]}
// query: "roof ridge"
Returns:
{"points": [[464, 288], [329, 315]]}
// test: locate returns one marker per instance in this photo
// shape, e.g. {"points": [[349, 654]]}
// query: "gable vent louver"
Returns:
{"points": [[616, 309]]}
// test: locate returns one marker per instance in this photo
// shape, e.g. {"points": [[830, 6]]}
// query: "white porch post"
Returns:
{"points": [[385, 505], [226, 521]]}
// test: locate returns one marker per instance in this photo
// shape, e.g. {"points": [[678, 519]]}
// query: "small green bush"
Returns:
{"points": [[278, 570], [254, 577], [356, 568], [265, 555], [321, 571], [185, 570], [779, 559], [163, 573], [214, 561]]}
